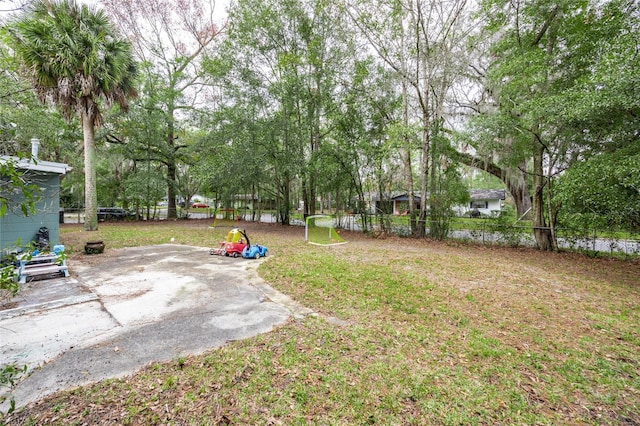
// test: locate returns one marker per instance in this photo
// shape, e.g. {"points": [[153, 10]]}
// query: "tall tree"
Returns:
{"points": [[602, 188], [23, 117], [73, 56], [424, 42], [172, 38], [288, 64], [544, 57], [136, 141]]}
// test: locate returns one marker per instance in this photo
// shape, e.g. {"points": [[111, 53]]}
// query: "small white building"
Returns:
{"points": [[484, 202]]}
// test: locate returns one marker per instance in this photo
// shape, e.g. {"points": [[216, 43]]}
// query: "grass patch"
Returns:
{"points": [[432, 334]]}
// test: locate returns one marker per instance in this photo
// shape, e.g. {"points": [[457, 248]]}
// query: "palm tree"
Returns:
{"points": [[75, 59]]}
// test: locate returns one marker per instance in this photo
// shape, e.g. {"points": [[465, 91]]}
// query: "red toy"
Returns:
{"points": [[232, 246]]}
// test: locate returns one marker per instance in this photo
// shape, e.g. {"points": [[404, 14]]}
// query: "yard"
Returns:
{"points": [[406, 332]]}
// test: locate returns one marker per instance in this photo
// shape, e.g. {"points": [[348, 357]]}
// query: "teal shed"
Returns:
{"points": [[16, 229]]}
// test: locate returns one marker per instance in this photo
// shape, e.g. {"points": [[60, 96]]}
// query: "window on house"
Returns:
{"points": [[479, 204]]}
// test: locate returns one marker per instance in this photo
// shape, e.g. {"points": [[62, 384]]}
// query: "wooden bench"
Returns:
{"points": [[41, 265]]}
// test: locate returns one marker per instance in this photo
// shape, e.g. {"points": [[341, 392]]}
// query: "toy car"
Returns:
{"points": [[235, 245], [232, 246], [255, 251]]}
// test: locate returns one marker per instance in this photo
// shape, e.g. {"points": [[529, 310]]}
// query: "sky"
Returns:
{"points": [[7, 7], [220, 4]]}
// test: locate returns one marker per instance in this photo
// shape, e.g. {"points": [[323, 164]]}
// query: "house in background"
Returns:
{"points": [[484, 202], [245, 201], [250, 202], [400, 202], [487, 202], [16, 229], [395, 202]]}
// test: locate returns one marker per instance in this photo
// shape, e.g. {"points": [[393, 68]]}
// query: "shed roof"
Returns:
{"points": [[37, 166]]}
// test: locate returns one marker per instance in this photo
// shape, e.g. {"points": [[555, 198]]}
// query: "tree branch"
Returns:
{"points": [[546, 26]]}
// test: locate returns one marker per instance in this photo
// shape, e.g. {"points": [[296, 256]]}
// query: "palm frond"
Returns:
{"points": [[73, 57]]}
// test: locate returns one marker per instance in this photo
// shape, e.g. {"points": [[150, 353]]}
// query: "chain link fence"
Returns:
{"points": [[493, 231], [498, 232]]}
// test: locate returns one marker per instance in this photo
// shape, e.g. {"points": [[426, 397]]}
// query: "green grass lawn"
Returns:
{"points": [[406, 332]]}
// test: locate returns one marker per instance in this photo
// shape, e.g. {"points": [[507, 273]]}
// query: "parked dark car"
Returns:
{"points": [[114, 213]]}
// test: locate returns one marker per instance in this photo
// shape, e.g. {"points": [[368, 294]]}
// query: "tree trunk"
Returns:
{"points": [[516, 183], [425, 105], [90, 193], [406, 158], [171, 189], [380, 210], [315, 146], [305, 198], [286, 205], [171, 165], [424, 175], [253, 204], [541, 231], [311, 192], [553, 216]]}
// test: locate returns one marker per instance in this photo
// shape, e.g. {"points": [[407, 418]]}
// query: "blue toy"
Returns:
{"points": [[255, 251]]}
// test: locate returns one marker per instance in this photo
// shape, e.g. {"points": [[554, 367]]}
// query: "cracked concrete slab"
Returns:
{"points": [[137, 306]]}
